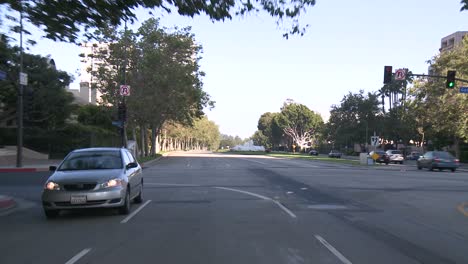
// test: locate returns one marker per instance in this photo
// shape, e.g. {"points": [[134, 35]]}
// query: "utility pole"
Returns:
{"points": [[19, 106], [123, 133]]}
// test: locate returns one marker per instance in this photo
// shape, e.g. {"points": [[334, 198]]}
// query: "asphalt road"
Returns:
{"points": [[207, 208]]}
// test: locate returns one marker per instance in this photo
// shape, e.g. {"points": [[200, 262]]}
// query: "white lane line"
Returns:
{"points": [[256, 161], [78, 256], [245, 192], [172, 184], [333, 250], [291, 214], [280, 205], [134, 212]]}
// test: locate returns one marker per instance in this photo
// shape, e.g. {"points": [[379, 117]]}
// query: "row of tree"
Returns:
{"points": [[420, 112], [162, 68]]}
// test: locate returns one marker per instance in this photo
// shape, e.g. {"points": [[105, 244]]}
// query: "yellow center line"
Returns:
{"points": [[461, 208]]}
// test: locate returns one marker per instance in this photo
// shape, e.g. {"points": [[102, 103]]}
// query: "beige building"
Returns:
{"points": [[449, 42]]}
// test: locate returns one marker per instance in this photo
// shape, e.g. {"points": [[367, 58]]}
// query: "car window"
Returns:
{"points": [[396, 152], [130, 156], [444, 155], [428, 155], [92, 160], [126, 159]]}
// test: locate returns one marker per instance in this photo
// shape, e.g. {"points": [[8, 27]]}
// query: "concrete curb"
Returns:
{"points": [[148, 163], [6, 203]]}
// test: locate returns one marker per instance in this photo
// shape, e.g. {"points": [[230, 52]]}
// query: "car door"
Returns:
{"points": [[137, 173], [426, 159], [129, 173]]}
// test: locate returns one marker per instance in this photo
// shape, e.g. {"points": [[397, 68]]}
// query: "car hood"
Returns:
{"points": [[85, 176]]}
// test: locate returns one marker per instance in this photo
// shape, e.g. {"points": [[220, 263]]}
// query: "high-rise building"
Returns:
{"points": [[451, 41], [448, 43], [89, 62]]}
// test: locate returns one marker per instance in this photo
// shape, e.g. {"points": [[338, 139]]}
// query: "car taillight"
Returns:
{"points": [[457, 161]]}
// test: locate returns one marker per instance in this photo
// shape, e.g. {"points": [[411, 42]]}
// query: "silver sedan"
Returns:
{"points": [[91, 178]]}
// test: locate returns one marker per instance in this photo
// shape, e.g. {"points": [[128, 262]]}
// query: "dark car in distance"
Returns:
{"points": [[413, 155], [335, 154], [438, 160], [313, 152]]}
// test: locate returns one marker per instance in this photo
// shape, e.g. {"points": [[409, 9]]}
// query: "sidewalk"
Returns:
{"points": [[29, 165]]}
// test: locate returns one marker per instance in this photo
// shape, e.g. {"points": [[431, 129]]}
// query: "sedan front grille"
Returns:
{"points": [[79, 186]]}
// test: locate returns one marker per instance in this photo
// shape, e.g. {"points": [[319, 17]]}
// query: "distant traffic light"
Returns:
{"points": [[387, 74], [450, 79]]}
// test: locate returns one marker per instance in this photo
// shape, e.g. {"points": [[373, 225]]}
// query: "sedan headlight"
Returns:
{"points": [[51, 186], [112, 183]]}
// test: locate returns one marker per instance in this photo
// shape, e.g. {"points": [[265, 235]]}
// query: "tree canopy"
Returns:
{"points": [[64, 20]]}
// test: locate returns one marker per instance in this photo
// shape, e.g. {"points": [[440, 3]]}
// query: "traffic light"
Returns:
{"points": [[450, 79], [387, 74]]}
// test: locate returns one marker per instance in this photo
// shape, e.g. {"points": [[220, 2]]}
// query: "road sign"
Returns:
{"points": [[400, 74], [125, 90], [374, 140], [23, 78], [375, 156], [464, 89], [117, 123], [2, 75]]}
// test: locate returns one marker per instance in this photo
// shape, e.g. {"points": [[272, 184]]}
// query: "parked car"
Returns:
{"points": [[383, 157], [413, 156], [313, 152], [438, 160], [93, 178], [335, 154], [395, 156]]}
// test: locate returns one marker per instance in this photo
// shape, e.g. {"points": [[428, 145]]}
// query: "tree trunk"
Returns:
{"points": [[135, 138], [146, 142], [142, 140], [153, 141], [456, 144]]}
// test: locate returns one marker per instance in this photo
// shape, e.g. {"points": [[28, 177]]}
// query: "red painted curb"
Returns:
{"points": [[6, 202], [18, 170]]}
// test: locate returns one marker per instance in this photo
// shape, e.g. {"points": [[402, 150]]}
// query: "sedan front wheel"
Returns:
{"points": [[125, 209]]}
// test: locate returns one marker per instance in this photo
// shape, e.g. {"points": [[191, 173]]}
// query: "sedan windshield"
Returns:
{"points": [[92, 160]]}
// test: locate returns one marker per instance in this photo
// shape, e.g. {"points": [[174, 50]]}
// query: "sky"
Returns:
{"points": [[251, 69]]}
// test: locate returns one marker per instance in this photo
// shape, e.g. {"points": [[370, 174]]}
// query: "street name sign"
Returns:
{"points": [[464, 89]]}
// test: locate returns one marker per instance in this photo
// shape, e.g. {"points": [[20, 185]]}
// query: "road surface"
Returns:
{"points": [[217, 208]]}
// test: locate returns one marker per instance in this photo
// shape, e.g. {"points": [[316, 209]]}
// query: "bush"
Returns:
{"points": [[60, 142]]}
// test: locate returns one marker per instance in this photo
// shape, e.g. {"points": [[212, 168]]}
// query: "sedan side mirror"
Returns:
{"points": [[52, 168], [131, 165]]}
